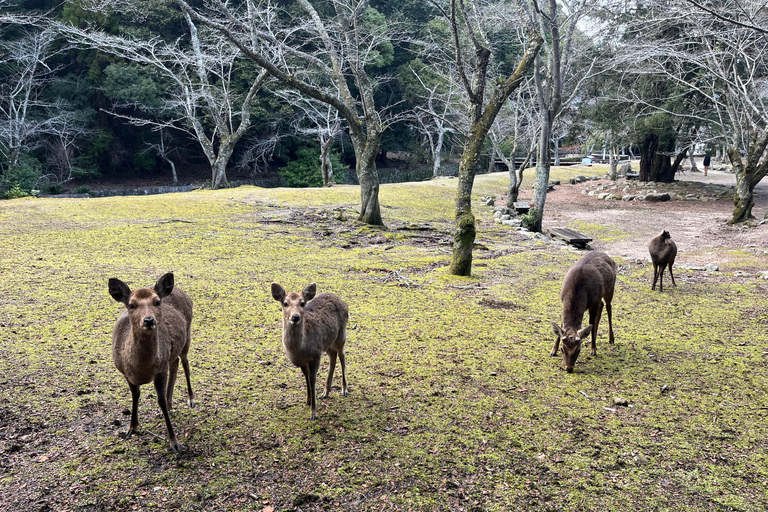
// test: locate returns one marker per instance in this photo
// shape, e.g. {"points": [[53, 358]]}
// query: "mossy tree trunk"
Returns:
{"points": [[480, 116], [748, 175]]}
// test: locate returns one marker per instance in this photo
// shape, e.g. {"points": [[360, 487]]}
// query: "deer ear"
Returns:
{"points": [[278, 292], [119, 290], [557, 329], [164, 285], [584, 332], [309, 292]]}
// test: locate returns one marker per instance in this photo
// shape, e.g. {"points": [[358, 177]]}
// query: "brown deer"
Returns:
{"points": [[313, 324], [148, 341], [588, 283], [663, 252]]}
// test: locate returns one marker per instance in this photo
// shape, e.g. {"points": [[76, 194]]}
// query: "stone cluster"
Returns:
{"points": [[653, 191]]}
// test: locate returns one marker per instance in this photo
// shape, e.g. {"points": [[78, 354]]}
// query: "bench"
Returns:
{"points": [[521, 207], [570, 236]]}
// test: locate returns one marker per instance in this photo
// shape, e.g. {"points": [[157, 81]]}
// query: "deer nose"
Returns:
{"points": [[149, 322], [295, 319]]}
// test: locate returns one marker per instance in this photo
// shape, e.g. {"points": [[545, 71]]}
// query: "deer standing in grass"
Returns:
{"points": [[149, 339], [588, 283], [663, 252], [313, 324]]}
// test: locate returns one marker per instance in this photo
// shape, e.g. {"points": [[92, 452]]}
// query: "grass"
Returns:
{"points": [[454, 402]]}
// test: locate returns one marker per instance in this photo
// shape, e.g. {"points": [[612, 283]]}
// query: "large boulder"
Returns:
{"points": [[657, 197]]}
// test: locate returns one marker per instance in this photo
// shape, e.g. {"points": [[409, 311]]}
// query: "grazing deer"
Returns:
{"points": [[588, 283], [313, 325], [663, 252], [148, 341]]}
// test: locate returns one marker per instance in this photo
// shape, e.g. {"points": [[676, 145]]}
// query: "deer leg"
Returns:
{"points": [[610, 322], [160, 380], [594, 320], [655, 275], [190, 394], [173, 369], [661, 276], [305, 371], [312, 368], [555, 347], [342, 360], [332, 355], [672, 275], [135, 394]]}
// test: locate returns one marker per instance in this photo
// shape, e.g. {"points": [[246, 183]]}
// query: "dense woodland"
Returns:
{"points": [[311, 93]]}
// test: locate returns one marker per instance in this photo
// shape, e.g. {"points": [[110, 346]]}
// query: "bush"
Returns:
{"points": [[304, 171], [83, 189], [22, 177], [529, 219]]}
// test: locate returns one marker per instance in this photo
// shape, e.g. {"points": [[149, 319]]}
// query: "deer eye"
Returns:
{"points": [[157, 303], [285, 304], [131, 306], [301, 303]]}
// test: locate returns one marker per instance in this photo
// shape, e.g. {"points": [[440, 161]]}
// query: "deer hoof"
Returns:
{"points": [[191, 404]]}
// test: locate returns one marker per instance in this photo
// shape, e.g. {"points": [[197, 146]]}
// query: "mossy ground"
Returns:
{"points": [[454, 403]]}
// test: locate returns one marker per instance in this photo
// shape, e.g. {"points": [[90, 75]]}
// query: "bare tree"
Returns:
{"points": [[557, 80], [472, 60], [720, 60], [343, 43], [24, 74], [437, 117], [201, 74], [317, 120]]}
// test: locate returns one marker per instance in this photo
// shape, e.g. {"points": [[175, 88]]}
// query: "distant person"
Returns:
{"points": [[707, 159]]}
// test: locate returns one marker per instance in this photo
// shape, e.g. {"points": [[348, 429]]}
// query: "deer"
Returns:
{"points": [[313, 324], [588, 283], [149, 339], [663, 252]]}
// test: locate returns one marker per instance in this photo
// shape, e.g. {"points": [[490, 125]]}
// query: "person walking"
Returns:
{"points": [[707, 159]]}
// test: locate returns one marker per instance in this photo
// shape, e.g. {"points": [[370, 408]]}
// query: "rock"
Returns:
{"points": [[594, 178], [763, 274], [766, 215], [625, 168], [620, 400], [580, 179], [554, 182], [603, 195], [512, 222], [585, 191], [657, 197], [592, 193], [628, 197], [572, 181], [489, 202], [711, 267], [505, 217]]}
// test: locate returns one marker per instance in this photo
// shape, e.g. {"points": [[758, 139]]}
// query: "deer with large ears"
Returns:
{"points": [[313, 324], [588, 283], [149, 339]]}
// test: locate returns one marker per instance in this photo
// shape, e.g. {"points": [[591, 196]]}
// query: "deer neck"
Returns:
{"points": [[293, 335]]}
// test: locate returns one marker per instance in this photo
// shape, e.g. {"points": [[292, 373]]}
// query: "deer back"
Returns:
{"points": [[591, 279]]}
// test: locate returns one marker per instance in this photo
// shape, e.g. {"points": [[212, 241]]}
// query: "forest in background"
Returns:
{"points": [[121, 90]]}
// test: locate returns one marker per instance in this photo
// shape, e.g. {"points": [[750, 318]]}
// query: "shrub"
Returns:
{"points": [[304, 171], [22, 177], [83, 189], [529, 219]]}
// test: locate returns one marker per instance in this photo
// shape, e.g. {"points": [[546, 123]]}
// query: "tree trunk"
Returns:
{"points": [[464, 236], [557, 150], [541, 182], [655, 163], [747, 177], [613, 174], [693, 162], [368, 176], [326, 168], [438, 149]]}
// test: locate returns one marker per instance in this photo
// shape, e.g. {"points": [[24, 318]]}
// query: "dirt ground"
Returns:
{"points": [[699, 228]]}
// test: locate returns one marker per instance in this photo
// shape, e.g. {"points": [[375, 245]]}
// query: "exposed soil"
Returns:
{"points": [[697, 227]]}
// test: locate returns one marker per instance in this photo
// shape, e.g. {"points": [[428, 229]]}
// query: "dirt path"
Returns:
{"points": [[699, 227]]}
